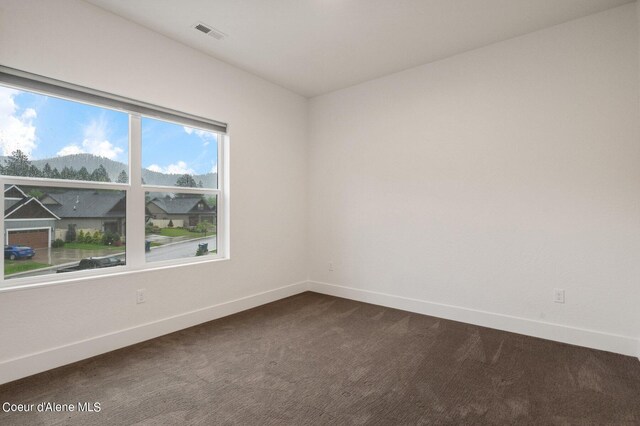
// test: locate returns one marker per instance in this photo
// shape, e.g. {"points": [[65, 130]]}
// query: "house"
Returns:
{"points": [[28, 221], [182, 211], [87, 210]]}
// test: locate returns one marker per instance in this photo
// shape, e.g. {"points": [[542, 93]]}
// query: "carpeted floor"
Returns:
{"points": [[315, 359]]}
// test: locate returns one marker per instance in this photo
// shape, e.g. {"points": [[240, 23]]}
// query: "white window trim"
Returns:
{"points": [[22, 205], [135, 211]]}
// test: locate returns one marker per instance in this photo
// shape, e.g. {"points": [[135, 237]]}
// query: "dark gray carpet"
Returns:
{"points": [[315, 359]]}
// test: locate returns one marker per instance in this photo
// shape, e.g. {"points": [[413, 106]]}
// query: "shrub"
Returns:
{"points": [[80, 237], [150, 228], [71, 234], [97, 237], [170, 225], [203, 227], [57, 243], [108, 238]]}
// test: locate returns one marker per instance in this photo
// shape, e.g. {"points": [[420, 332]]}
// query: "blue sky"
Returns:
{"points": [[44, 127]]}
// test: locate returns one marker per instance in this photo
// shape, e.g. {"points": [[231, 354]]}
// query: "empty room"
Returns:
{"points": [[291, 212]]}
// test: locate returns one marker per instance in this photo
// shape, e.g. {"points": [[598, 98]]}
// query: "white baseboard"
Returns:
{"points": [[27, 365], [561, 333]]}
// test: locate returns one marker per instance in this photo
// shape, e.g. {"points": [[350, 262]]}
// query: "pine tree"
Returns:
{"points": [[34, 171], [18, 164], [55, 174], [186, 181], [68, 173], [122, 177], [46, 171], [83, 174], [100, 175]]}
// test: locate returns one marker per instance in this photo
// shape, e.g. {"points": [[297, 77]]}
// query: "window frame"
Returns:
{"points": [[134, 190]]}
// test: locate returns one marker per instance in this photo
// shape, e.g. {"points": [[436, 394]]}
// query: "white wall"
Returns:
{"points": [[77, 42], [482, 182]]}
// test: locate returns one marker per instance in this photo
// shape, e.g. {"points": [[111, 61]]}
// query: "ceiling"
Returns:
{"points": [[318, 46]]}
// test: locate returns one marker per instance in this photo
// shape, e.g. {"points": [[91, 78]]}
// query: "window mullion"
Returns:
{"points": [[2, 231], [223, 198], [135, 197]]}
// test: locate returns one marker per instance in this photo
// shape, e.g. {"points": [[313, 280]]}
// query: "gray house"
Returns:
{"points": [[87, 210], [27, 221], [184, 211]]}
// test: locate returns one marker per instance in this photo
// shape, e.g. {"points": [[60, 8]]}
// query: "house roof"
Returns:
{"points": [[88, 203], [29, 208], [14, 192], [180, 205]]}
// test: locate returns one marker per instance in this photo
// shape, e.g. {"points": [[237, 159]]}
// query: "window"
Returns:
{"points": [[77, 166], [177, 228], [179, 224], [51, 229]]}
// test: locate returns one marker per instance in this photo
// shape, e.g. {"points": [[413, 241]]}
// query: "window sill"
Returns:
{"points": [[29, 283]]}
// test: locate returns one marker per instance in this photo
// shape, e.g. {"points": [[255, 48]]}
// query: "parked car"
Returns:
{"points": [[14, 252], [93, 263]]}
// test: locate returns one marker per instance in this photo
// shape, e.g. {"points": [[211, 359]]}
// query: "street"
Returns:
{"points": [[178, 250]]}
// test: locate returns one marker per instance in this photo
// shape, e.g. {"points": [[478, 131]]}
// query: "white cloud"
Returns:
{"points": [[29, 113], [70, 150], [179, 168], [103, 148], [205, 136], [95, 142], [16, 131]]}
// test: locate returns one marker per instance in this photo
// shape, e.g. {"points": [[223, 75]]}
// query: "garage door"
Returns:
{"points": [[34, 238]]}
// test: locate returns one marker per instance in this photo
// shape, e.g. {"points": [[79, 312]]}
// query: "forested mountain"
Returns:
{"points": [[90, 167], [89, 161]]}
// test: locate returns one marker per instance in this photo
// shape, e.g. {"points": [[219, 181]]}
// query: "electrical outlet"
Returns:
{"points": [[331, 266], [140, 297], [558, 295]]}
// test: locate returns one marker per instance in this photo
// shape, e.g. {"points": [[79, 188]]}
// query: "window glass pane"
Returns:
{"points": [[176, 155], [180, 225], [52, 230], [49, 137]]}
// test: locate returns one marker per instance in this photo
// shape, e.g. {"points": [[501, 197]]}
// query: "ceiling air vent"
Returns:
{"points": [[210, 31]]}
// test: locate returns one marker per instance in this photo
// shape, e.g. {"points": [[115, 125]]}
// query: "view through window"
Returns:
{"points": [[179, 224], [66, 172]]}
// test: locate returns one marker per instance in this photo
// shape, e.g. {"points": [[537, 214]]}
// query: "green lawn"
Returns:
{"points": [[15, 266], [85, 246], [181, 232]]}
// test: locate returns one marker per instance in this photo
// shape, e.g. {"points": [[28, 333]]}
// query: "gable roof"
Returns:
{"points": [[180, 205], [14, 192], [29, 208], [82, 203]]}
